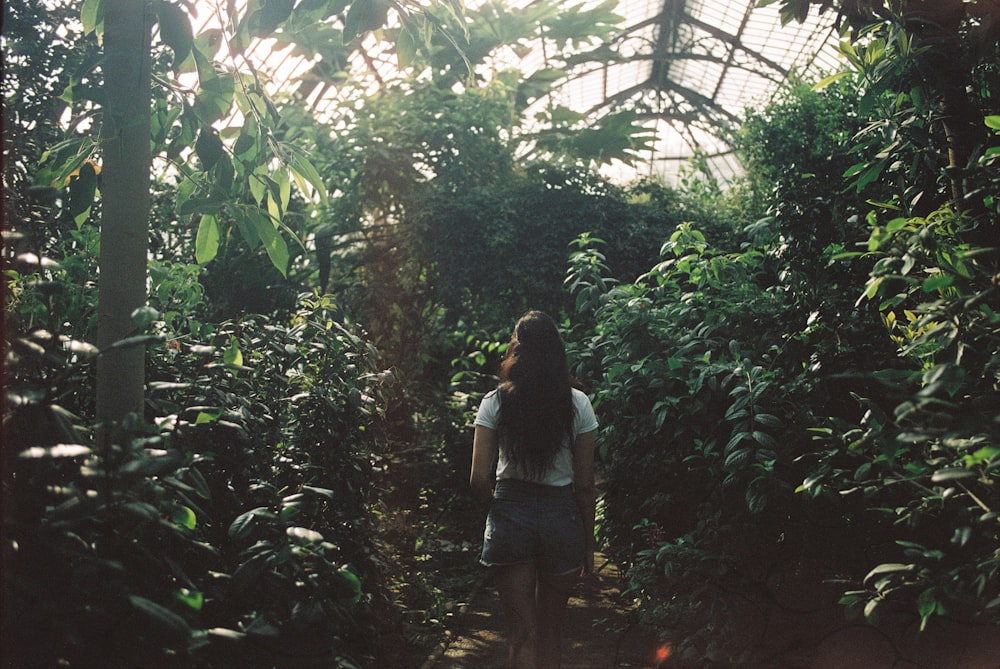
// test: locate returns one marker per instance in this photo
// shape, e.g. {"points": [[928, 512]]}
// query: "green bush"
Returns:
{"points": [[762, 425], [698, 423], [230, 527], [931, 463]]}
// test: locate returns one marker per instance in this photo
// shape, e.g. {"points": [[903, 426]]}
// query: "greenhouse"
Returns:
{"points": [[438, 334]]}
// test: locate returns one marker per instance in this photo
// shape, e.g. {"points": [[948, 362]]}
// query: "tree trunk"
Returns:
{"points": [[125, 138]]}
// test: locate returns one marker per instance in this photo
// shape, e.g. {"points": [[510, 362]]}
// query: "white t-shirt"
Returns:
{"points": [[561, 472]]}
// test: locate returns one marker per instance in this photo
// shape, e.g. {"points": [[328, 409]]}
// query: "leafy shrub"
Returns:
{"points": [[231, 527], [930, 465], [743, 429], [696, 423]]}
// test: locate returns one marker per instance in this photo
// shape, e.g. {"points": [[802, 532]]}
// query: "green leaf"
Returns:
{"points": [[201, 205], [206, 45], [982, 456], [854, 169], [152, 463], [764, 439], [871, 173], [181, 141], [867, 101], [233, 355], [768, 420], [91, 15], [191, 598], [284, 188], [896, 224], [206, 245], [738, 458], [406, 49], [874, 285], [214, 99], [139, 340], [952, 474], [937, 282], [57, 451], [81, 92], [241, 527], [175, 30], [616, 136], [184, 517], [304, 172], [208, 147], [322, 492], [82, 189], [827, 81], [537, 85], [353, 582], [888, 568], [199, 483], [168, 621], [245, 224], [258, 183], [273, 242], [364, 15], [269, 17], [927, 604], [247, 142], [735, 440], [144, 316], [142, 510], [756, 501], [993, 122], [273, 206], [205, 417], [304, 535]]}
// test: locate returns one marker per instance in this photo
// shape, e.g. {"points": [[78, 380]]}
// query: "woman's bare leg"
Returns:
{"points": [[516, 585], [551, 597]]}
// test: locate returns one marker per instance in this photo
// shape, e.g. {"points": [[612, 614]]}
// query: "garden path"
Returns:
{"points": [[601, 633], [600, 630]]}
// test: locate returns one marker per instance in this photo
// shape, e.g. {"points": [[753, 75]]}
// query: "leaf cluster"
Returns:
{"points": [[761, 402], [230, 526]]}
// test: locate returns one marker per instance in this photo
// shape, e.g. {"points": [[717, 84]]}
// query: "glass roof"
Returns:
{"points": [[687, 68], [690, 68]]}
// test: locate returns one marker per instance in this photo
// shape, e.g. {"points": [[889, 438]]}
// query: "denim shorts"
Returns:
{"points": [[534, 523]]}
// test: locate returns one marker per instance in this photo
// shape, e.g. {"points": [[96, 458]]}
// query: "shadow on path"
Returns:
{"points": [[599, 633]]}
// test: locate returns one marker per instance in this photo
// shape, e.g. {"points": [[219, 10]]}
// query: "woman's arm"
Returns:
{"points": [[484, 453], [585, 491]]}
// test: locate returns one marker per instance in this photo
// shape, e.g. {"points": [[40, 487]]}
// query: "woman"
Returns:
{"points": [[539, 536]]}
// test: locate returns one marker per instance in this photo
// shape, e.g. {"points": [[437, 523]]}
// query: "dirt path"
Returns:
{"points": [[600, 631]]}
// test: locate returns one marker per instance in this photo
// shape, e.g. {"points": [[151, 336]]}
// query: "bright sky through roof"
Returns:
{"points": [[689, 67]]}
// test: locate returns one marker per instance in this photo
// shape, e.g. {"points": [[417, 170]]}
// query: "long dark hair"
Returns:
{"points": [[536, 396]]}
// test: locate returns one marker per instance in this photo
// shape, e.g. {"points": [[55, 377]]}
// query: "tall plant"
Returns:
{"points": [[928, 76], [234, 180], [797, 387], [235, 530]]}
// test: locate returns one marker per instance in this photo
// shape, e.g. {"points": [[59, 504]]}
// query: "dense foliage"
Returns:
{"points": [[232, 526], [270, 506], [796, 375], [798, 418]]}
